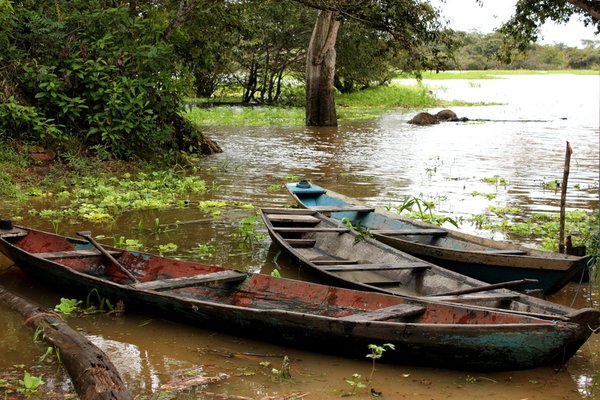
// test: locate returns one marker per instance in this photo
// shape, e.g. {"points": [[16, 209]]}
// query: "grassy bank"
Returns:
{"points": [[496, 74], [361, 105]]}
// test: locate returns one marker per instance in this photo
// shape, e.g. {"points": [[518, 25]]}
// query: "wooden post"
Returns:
{"points": [[92, 373], [563, 197]]}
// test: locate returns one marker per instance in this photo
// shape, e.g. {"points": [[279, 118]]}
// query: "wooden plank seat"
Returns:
{"points": [[501, 251], [381, 282], [295, 218], [478, 297], [348, 208], [196, 280], [332, 261], [301, 229], [74, 254], [404, 232], [14, 232], [382, 314], [288, 211], [376, 267], [301, 242]]}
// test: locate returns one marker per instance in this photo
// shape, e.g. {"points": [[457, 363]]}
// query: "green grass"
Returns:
{"points": [[361, 105], [247, 116], [494, 74], [370, 103]]}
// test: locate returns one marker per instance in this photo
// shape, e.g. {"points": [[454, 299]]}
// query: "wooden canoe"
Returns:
{"points": [[481, 258], [297, 313], [344, 257]]}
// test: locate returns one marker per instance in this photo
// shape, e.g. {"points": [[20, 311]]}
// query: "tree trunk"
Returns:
{"points": [[320, 71], [91, 371]]}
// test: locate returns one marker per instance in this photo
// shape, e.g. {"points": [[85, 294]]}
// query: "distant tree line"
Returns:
{"points": [[480, 52]]}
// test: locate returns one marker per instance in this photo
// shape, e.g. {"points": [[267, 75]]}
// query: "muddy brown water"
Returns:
{"points": [[378, 161]]}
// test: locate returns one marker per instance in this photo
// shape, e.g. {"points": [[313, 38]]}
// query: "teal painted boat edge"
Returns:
{"points": [[549, 281]]}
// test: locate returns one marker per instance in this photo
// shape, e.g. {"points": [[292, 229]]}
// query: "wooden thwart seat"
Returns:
{"points": [[74, 254], [333, 261], [300, 229], [382, 282], [403, 232], [382, 314], [301, 242], [288, 211], [14, 232], [500, 251], [177, 283], [348, 208], [376, 267], [295, 218], [479, 297]]}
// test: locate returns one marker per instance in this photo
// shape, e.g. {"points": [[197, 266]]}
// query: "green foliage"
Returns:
{"points": [[92, 74], [30, 383], [424, 211], [489, 52], [496, 180], [376, 354], [247, 232], [204, 250], [251, 50], [101, 199], [582, 225], [247, 116], [50, 351], [283, 373], [356, 382], [489, 196], [103, 303], [362, 232], [67, 307], [167, 248], [275, 273], [524, 25]]}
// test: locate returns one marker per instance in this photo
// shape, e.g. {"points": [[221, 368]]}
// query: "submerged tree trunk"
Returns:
{"points": [[92, 373], [320, 71]]}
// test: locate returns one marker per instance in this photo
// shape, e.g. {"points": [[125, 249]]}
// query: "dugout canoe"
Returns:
{"points": [[296, 313], [481, 258], [344, 257]]}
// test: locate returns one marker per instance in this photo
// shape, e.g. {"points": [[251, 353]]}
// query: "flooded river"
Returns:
{"points": [[521, 138]]}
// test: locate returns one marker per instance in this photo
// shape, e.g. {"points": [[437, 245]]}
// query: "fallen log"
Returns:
{"points": [[92, 373]]}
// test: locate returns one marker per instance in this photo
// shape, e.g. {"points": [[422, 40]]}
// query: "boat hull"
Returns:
{"points": [[299, 314], [480, 258]]}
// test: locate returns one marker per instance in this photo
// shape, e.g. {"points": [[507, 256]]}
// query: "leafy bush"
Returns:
{"points": [[92, 75]]}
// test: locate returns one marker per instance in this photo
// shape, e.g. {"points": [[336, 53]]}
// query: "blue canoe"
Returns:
{"points": [[480, 258]]}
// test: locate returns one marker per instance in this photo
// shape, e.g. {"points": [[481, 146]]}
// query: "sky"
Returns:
{"points": [[467, 15]]}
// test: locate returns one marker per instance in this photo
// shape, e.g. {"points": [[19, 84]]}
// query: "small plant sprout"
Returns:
{"points": [[67, 307], [424, 211], [30, 383], [283, 373], [50, 350], [204, 250], [356, 382], [167, 248], [275, 273], [362, 231], [247, 232], [375, 354], [104, 304]]}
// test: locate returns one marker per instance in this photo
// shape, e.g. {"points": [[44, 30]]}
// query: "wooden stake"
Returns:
{"points": [[563, 198]]}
